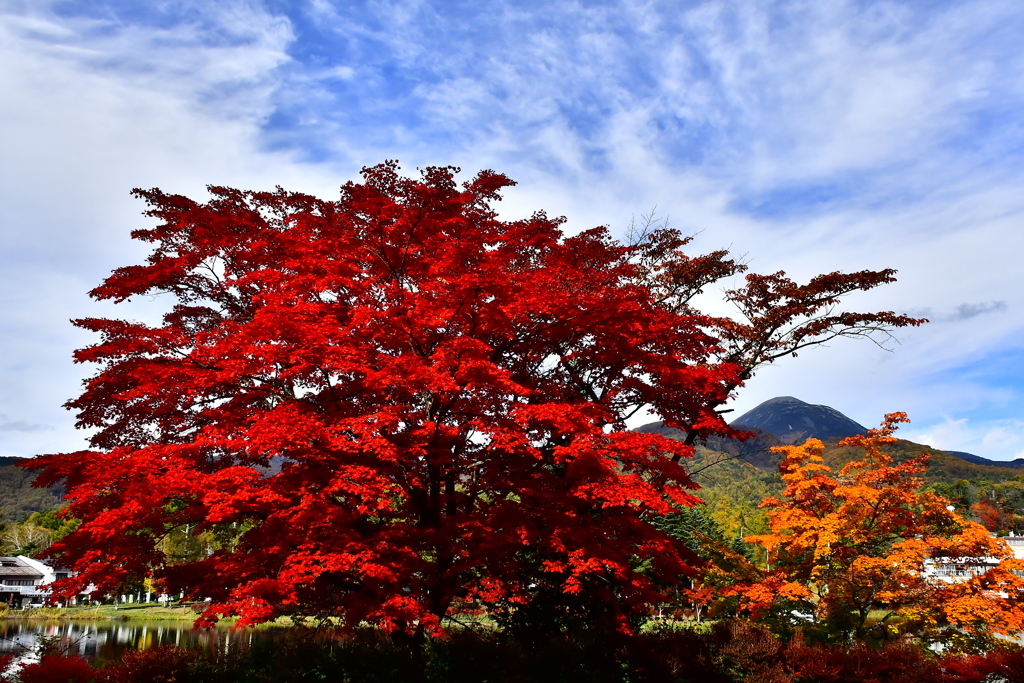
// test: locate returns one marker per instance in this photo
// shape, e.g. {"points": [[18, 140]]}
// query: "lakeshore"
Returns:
{"points": [[186, 612]]}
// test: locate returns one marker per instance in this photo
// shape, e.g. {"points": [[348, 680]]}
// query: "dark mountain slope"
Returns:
{"points": [[756, 450], [794, 421], [978, 460]]}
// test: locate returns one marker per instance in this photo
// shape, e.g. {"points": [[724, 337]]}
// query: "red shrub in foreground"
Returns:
{"points": [[161, 665], [1004, 665], [56, 668], [901, 662], [742, 651]]}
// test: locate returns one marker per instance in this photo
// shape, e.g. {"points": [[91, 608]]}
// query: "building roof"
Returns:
{"points": [[13, 568]]}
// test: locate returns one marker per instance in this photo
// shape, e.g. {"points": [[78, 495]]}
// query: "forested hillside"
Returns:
{"points": [[734, 483], [732, 489], [735, 475], [18, 498]]}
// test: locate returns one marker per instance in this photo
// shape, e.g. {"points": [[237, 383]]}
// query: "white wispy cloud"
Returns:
{"points": [[1004, 436]]}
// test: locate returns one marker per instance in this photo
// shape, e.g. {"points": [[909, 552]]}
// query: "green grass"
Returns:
{"points": [[130, 612]]}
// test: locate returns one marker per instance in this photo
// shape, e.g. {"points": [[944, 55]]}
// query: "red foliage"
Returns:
{"points": [[57, 668], [999, 665], [446, 393], [989, 515], [903, 662], [160, 665], [441, 387]]}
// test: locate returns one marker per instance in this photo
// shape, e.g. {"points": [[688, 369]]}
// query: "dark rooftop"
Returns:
{"points": [[13, 568]]}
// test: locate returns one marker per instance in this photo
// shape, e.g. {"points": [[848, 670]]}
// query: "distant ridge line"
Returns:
{"points": [[788, 420]]}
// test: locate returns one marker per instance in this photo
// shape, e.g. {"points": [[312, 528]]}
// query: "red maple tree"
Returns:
{"points": [[395, 401], [990, 515]]}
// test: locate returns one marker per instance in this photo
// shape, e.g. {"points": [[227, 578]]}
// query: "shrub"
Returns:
{"points": [[56, 668], [1005, 664], [161, 665]]}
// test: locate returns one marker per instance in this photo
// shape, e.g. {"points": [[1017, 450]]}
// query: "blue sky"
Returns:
{"points": [[810, 136]]}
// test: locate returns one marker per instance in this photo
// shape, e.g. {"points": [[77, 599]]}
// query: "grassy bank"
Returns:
{"points": [[105, 613], [131, 612]]}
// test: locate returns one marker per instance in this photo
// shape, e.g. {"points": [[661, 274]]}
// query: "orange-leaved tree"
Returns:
{"points": [[853, 555]]}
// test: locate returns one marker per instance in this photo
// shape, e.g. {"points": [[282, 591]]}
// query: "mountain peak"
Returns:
{"points": [[794, 421], [783, 399]]}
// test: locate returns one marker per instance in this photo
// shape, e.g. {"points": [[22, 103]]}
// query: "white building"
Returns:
{"points": [[1017, 545], [23, 580], [953, 569]]}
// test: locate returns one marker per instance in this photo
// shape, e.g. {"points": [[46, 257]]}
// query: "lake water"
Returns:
{"points": [[106, 640]]}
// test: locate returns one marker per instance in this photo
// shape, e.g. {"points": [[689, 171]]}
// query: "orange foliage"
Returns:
{"points": [[848, 552]]}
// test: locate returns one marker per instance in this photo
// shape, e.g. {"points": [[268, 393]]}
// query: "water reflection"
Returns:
{"points": [[106, 640]]}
